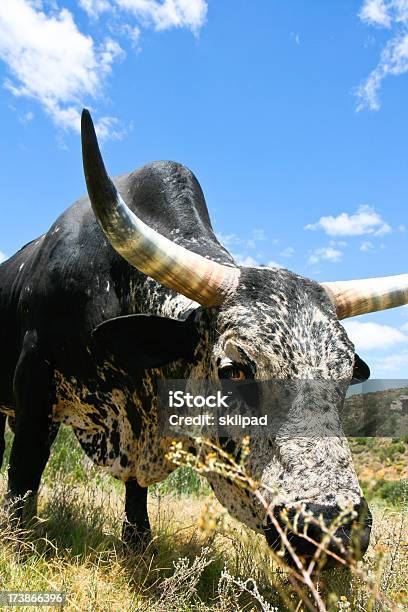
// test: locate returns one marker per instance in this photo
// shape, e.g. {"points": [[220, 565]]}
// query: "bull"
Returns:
{"points": [[130, 285]]}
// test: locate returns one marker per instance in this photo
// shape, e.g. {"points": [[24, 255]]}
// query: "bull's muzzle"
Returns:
{"points": [[306, 529]]}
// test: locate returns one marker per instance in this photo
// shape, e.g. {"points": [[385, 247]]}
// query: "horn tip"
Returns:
{"points": [[85, 115], [87, 127]]}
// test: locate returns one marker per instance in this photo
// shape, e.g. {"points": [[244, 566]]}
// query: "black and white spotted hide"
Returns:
{"points": [[88, 337]]}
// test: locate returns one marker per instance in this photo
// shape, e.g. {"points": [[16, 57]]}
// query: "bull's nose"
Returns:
{"points": [[353, 536]]}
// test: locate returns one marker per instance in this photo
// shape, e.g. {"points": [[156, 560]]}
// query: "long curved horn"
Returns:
{"points": [[200, 279], [356, 297]]}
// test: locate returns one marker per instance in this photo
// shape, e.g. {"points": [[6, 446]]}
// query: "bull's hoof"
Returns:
{"points": [[11, 517], [18, 511], [136, 540]]}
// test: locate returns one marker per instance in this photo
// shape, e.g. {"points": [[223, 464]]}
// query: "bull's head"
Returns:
{"points": [[266, 324]]}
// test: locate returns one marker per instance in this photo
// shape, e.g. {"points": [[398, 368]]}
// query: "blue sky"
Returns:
{"points": [[292, 115]]}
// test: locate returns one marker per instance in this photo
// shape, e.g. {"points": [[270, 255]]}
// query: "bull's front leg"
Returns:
{"points": [[136, 530], [3, 418], [34, 431]]}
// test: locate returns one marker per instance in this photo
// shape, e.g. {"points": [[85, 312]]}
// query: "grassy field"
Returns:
{"points": [[200, 558]]}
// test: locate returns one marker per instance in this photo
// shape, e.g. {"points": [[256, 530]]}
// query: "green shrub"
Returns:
{"points": [[393, 492], [361, 441], [183, 481]]}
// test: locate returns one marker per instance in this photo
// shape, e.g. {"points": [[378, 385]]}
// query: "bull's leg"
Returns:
{"points": [[3, 418], [136, 528], [33, 430]]}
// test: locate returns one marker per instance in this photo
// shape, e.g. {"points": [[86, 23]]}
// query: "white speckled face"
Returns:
{"points": [[292, 334]]}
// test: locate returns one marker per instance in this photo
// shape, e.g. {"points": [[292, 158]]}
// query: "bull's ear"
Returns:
{"points": [[361, 371], [146, 341]]}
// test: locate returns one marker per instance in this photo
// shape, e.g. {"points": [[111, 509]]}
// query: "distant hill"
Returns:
{"points": [[378, 414], [377, 428]]}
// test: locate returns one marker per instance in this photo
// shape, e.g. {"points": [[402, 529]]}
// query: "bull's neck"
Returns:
{"points": [[160, 301]]}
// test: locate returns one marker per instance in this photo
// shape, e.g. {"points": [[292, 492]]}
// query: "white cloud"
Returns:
{"points": [[243, 245], [394, 61], [328, 253], [288, 252], [392, 364], [369, 336], [26, 117], [3, 257], [364, 221], [168, 14], [95, 7], [404, 327], [110, 128], [52, 62], [245, 260], [228, 240], [296, 37], [189, 14], [133, 33], [274, 264], [258, 234], [366, 246], [375, 12], [394, 56]]}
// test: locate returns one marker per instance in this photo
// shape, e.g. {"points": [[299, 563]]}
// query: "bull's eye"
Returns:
{"points": [[232, 372]]}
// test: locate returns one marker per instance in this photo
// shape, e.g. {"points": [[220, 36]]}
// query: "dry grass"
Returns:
{"points": [[75, 547], [200, 558]]}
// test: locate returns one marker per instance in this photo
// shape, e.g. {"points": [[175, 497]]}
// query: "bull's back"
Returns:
{"points": [[70, 280]]}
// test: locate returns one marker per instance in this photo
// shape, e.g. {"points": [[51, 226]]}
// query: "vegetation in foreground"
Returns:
{"points": [[200, 558]]}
